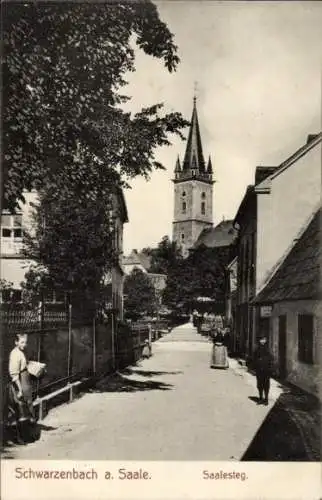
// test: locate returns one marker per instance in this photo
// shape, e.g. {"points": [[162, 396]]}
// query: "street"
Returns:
{"points": [[169, 407]]}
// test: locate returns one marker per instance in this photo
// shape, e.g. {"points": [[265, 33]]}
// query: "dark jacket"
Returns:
{"points": [[263, 360], [218, 337]]}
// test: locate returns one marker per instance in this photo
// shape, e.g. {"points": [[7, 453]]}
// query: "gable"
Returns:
{"points": [[298, 276]]}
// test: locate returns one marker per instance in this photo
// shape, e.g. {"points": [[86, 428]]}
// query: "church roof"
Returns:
{"points": [[223, 235], [178, 166], [298, 276], [193, 157], [209, 166]]}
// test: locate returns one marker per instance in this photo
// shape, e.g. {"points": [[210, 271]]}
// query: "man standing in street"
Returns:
{"points": [[263, 367]]}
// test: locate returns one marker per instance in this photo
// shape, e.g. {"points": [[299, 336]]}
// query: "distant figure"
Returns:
{"points": [[147, 350], [219, 357], [227, 339], [195, 318], [263, 361], [218, 337]]}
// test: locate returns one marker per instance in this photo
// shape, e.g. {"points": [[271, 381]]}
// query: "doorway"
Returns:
{"points": [[282, 346], [264, 327]]}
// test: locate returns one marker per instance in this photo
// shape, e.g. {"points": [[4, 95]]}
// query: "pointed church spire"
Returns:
{"points": [[178, 166], [194, 165], [194, 146], [209, 167]]}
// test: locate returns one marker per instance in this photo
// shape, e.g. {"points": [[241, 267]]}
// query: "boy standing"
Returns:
{"points": [[263, 367]]}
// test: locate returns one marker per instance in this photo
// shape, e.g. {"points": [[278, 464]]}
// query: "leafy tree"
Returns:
{"points": [[6, 288], [66, 131], [64, 67], [139, 293], [165, 256], [73, 245], [203, 273]]}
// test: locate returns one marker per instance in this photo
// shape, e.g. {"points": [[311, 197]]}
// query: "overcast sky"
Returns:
{"points": [[258, 67]]}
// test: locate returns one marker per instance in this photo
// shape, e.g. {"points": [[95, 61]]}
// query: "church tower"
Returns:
{"points": [[193, 190]]}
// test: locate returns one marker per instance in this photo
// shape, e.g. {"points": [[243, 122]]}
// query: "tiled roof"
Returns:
{"points": [[223, 235], [137, 258], [298, 276]]}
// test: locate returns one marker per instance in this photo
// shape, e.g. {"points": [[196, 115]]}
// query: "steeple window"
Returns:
{"points": [[203, 195], [203, 208], [184, 207], [182, 237]]}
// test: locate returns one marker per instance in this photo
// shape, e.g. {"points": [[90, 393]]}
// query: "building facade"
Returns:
{"points": [[246, 222], [117, 274], [13, 265], [292, 297], [142, 261], [271, 214], [285, 202], [193, 191], [231, 291]]}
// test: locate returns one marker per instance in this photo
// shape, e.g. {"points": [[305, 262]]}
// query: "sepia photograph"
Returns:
{"points": [[161, 235]]}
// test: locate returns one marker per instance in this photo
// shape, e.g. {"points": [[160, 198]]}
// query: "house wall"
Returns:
{"points": [[118, 271], [117, 291], [305, 376], [14, 270], [13, 266], [295, 194], [246, 274]]}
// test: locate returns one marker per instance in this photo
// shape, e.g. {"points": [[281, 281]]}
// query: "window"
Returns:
{"points": [[203, 208], [11, 295], [305, 338], [183, 194], [184, 207], [203, 195], [11, 226], [182, 237]]}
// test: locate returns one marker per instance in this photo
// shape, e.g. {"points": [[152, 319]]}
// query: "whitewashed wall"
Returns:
{"points": [[295, 194]]}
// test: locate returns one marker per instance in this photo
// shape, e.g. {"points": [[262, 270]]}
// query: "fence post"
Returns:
{"points": [[113, 341], [41, 317], [150, 333], [69, 336]]}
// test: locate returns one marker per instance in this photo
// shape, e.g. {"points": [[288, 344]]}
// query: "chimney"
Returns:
{"points": [[311, 137], [262, 173]]}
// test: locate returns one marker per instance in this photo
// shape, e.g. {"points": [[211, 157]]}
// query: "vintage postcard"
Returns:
{"points": [[160, 250]]}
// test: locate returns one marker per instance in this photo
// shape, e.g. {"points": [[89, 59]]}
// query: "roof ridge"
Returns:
{"points": [[291, 159]]}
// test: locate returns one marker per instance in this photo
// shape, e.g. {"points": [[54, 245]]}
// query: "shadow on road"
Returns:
{"points": [[290, 432], [120, 383], [8, 446], [148, 373], [255, 399]]}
